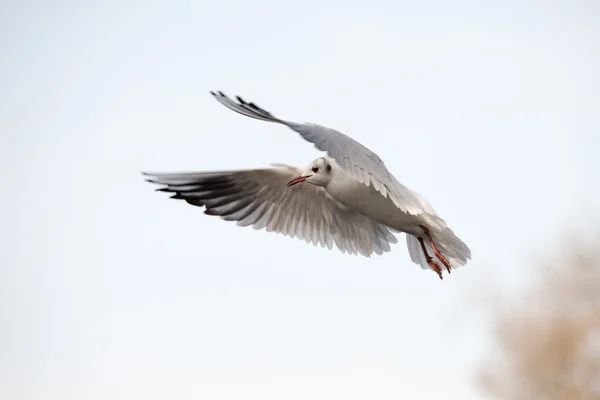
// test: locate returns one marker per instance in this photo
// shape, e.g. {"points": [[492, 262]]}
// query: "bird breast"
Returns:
{"points": [[366, 200]]}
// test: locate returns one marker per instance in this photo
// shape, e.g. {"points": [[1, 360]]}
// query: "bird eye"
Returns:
{"points": [[315, 169]]}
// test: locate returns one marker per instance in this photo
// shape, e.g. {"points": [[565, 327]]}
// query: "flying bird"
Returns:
{"points": [[348, 199]]}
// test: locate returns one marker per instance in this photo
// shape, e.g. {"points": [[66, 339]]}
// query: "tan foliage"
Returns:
{"points": [[548, 340]]}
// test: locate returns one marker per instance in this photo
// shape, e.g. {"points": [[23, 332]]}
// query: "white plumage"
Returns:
{"points": [[348, 199]]}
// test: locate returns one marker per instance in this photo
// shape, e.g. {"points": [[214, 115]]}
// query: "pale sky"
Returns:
{"points": [[109, 290]]}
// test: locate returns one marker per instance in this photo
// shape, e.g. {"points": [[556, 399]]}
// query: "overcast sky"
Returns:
{"points": [[109, 290]]}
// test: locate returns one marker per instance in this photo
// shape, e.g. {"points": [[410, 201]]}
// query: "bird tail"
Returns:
{"points": [[451, 247]]}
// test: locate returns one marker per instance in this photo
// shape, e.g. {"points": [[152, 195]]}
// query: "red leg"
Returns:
{"points": [[431, 261], [438, 254]]}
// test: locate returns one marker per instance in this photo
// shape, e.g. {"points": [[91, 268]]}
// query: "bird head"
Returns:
{"points": [[318, 173]]}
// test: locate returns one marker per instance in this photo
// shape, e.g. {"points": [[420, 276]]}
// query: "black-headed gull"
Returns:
{"points": [[349, 199]]}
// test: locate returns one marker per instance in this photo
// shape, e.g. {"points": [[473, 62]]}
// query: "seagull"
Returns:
{"points": [[348, 199]]}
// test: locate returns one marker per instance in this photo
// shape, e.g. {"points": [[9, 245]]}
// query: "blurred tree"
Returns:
{"points": [[547, 341]]}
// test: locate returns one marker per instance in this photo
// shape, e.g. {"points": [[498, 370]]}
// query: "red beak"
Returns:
{"points": [[297, 180]]}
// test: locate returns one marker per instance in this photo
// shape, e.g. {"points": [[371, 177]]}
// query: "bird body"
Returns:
{"points": [[349, 199], [367, 201]]}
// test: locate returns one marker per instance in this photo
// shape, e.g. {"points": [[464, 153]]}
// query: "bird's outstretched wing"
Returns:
{"points": [[261, 198], [357, 160]]}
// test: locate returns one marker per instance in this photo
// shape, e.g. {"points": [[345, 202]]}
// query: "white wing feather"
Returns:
{"points": [[357, 160], [261, 198]]}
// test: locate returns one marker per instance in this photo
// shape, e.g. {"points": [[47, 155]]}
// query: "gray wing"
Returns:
{"points": [[261, 198], [357, 160]]}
